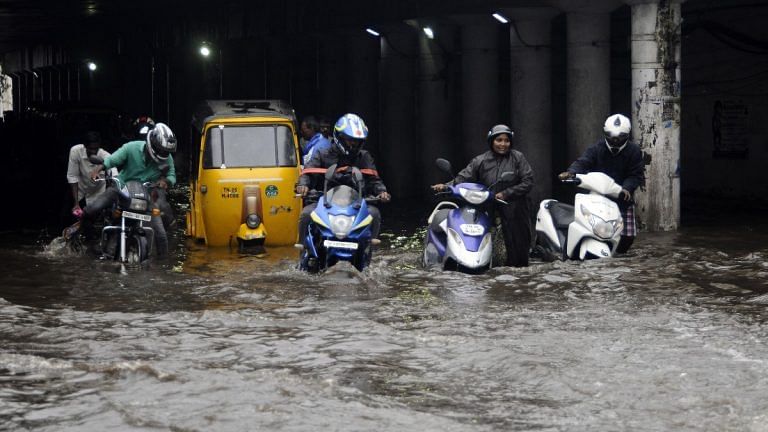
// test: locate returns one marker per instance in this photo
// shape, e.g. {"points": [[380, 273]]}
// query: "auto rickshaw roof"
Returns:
{"points": [[221, 108]]}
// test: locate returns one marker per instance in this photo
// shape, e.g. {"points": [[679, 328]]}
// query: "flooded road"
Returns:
{"points": [[670, 337]]}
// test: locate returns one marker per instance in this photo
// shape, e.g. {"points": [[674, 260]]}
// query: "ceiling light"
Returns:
{"points": [[428, 31], [501, 18], [92, 66]]}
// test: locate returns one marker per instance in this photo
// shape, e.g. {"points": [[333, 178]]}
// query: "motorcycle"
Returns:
{"points": [[591, 228], [461, 235], [340, 229], [125, 237]]}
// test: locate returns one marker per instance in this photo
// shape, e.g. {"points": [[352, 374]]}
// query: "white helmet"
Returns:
{"points": [[616, 130], [161, 142]]}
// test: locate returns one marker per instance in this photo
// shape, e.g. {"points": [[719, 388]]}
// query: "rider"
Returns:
{"points": [[622, 160], [144, 161], [349, 136], [487, 168]]}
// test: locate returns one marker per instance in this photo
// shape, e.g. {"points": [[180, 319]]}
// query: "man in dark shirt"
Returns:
{"points": [[620, 159]]}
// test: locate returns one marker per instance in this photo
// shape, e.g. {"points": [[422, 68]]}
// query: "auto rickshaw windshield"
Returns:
{"points": [[249, 146]]}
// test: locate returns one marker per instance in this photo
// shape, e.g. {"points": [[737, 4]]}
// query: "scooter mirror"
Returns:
{"points": [[96, 160], [444, 166], [330, 172]]}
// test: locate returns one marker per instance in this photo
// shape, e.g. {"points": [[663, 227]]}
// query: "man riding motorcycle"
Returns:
{"points": [[143, 161], [349, 136]]}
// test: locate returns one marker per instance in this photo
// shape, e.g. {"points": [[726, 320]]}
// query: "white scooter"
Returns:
{"points": [[591, 228]]}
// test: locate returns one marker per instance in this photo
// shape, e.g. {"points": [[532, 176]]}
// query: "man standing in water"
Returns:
{"points": [[620, 159]]}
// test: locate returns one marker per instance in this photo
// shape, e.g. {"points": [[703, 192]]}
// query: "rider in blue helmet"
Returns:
{"points": [[349, 135]]}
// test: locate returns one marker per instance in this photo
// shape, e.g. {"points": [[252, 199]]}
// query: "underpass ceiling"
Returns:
{"points": [[29, 22]]}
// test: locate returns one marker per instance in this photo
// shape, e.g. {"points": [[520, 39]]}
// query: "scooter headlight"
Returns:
{"points": [[600, 227], [252, 221], [341, 225], [474, 196], [138, 205]]}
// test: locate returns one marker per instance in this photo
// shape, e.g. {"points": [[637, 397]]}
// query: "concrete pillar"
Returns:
{"points": [[588, 75], [531, 104], [363, 94], [656, 109], [438, 125], [479, 83], [332, 73], [397, 110]]}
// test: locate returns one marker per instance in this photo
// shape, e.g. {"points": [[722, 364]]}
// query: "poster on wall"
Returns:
{"points": [[6, 93], [730, 130]]}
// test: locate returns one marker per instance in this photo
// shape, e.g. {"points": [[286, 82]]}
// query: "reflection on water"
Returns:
{"points": [[669, 337]]}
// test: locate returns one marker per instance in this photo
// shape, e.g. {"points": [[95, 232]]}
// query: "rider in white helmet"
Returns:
{"points": [[615, 155]]}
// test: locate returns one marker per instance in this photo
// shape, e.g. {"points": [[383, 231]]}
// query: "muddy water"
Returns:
{"points": [[670, 337]]}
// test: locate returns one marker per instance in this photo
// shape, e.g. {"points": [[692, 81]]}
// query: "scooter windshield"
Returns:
{"points": [[342, 196]]}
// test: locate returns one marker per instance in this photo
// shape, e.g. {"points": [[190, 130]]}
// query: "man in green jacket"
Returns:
{"points": [[143, 161]]}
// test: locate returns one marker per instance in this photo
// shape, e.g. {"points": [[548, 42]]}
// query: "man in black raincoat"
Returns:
{"points": [[487, 169]]}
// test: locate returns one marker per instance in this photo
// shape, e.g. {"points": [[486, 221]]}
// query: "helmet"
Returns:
{"points": [[497, 130], [142, 125], [616, 130], [161, 142], [349, 134]]}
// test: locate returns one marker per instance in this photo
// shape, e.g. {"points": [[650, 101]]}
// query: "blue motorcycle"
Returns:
{"points": [[340, 229], [460, 232]]}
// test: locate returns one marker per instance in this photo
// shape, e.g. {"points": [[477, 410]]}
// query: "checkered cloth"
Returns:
{"points": [[630, 227]]}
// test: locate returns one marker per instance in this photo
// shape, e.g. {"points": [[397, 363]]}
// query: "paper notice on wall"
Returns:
{"points": [[730, 129], [6, 94]]}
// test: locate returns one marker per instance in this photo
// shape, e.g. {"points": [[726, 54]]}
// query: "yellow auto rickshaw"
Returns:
{"points": [[243, 174]]}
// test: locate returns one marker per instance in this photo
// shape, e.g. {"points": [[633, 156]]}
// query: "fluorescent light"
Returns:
{"points": [[428, 31], [205, 51], [373, 32], [500, 18]]}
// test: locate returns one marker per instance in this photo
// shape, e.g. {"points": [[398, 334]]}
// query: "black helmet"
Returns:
{"points": [[161, 142], [497, 130]]}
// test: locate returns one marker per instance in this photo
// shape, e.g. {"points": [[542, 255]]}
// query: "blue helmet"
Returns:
{"points": [[349, 134]]}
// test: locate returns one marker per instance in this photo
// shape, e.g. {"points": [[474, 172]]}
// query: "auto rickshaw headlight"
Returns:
{"points": [[253, 221]]}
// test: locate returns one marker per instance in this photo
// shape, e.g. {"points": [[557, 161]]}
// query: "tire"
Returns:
{"points": [[136, 249]]}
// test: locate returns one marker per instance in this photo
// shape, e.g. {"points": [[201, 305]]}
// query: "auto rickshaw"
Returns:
{"points": [[243, 174]]}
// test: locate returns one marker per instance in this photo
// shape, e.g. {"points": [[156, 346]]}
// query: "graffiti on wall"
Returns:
{"points": [[730, 129]]}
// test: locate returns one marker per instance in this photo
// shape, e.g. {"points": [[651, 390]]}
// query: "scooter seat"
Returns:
{"points": [[562, 214]]}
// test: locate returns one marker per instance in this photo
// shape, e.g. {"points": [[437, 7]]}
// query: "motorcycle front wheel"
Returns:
{"points": [[136, 250]]}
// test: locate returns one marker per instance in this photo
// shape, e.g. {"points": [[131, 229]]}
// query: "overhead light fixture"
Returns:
{"points": [[92, 66], [500, 18], [373, 32], [428, 31]]}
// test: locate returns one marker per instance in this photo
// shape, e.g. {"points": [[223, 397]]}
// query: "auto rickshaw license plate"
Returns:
{"points": [[132, 215], [339, 244]]}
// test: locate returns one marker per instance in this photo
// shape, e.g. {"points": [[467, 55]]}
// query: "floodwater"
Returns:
{"points": [[671, 337]]}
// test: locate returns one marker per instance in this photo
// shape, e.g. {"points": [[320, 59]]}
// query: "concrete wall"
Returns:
{"points": [[724, 110]]}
